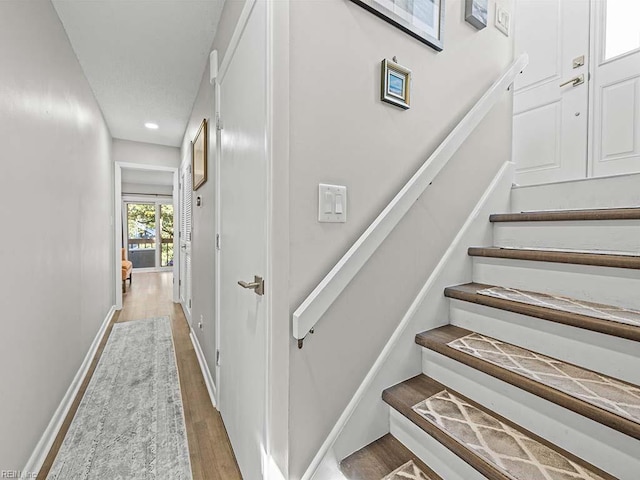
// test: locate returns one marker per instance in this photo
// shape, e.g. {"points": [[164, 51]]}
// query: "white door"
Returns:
{"points": [[243, 252], [550, 120], [616, 89], [185, 239]]}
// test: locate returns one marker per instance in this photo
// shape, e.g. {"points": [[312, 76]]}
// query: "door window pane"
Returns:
{"points": [[622, 27]]}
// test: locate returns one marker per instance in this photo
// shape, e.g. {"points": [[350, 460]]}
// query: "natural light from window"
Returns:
{"points": [[622, 28]]}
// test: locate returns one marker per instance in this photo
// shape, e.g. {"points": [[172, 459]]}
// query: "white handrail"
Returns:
{"points": [[332, 285]]}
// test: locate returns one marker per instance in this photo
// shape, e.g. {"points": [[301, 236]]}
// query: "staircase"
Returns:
{"points": [[536, 374]]}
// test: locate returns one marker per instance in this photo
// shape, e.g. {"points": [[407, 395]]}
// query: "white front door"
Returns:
{"points": [[616, 89], [550, 119], [185, 239], [243, 248]]}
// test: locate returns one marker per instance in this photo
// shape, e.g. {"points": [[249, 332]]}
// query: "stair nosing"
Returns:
{"points": [[607, 327], [629, 213], [549, 393], [464, 453], [558, 256]]}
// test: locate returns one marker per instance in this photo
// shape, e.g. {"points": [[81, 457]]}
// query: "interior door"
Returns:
{"points": [[243, 213], [616, 89], [186, 196], [550, 119]]}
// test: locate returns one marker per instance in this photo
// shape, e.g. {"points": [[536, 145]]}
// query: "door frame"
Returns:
{"points": [[270, 471], [597, 30], [117, 223]]}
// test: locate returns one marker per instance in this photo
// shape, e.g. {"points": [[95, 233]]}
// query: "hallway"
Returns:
{"points": [[209, 448]]}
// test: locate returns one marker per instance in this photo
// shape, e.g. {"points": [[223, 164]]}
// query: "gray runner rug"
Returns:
{"points": [[130, 422]]}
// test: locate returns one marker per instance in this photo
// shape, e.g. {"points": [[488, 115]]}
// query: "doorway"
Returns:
{"points": [[243, 289], [129, 187], [577, 105]]}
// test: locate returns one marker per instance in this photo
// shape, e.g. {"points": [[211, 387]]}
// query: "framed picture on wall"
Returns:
{"points": [[395, 84], [422, 19], [475, 13], [199, 156]]}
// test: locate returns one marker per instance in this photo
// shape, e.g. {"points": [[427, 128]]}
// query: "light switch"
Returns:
{"points": [[328, 202], [332, 203], [339, 204], [503, 19]]}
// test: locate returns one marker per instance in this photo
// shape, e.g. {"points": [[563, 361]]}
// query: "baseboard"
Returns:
{"points": [[51, 432], [206, 373]]}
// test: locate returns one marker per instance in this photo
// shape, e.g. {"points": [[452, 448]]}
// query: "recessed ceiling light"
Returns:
{"points": [[152, 126]]}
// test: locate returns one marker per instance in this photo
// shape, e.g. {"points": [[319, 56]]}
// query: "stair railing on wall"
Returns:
{"points": [[322, 297]]}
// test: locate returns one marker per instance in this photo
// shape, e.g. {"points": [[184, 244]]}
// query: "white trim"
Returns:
{"points": [[117, 233], [204, 368], [217, 215], [34, 464], [176, 235], [411, 313], [161, 199], [331, 286], [268, 298], [143, 166], [235, 39]]}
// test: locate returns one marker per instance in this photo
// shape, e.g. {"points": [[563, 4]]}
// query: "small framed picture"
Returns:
{"points": [[199, 156], [475, 13], [396, 84]]}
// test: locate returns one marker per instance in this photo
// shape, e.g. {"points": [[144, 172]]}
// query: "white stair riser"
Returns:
{"points": [[613, 356], [603, 447], [611, 286], [605, 192], [605, 235], [438, 457]]}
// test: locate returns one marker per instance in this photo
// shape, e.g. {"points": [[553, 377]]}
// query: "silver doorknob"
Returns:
{"points": [[579, 80], [257, 285]]}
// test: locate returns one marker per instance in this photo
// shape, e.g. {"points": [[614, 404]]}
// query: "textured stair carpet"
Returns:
{"points": [[565, 304], [515, 454], [605, 392], [130, 422]]}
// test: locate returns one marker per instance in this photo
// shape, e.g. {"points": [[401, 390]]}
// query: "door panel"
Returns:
{"points": [[616, 92], [550, 121], [243, 214], [186, 195]]}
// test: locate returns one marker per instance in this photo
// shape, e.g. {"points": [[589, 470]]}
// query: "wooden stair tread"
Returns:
{"points": [[416, 391], [601, 398], [380, 458], [469, 293], [559, 256], [632, 213]]}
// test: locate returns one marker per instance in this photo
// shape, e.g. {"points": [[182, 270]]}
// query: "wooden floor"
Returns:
{"points": [[211, 454]]}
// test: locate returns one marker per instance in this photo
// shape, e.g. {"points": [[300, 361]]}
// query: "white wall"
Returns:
{"points": [[56, 196], [341, 133], [145, 189], [129, 151]]}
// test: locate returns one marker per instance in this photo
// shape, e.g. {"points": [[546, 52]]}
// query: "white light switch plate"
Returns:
{"points": [[503, 19], [332, 203]]}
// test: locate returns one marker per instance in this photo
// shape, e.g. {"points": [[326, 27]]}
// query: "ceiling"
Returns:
{"points": [[144, 60]]}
